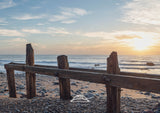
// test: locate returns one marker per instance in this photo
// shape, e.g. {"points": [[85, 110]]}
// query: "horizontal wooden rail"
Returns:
{"points": [[123, 81], [101, 71]]}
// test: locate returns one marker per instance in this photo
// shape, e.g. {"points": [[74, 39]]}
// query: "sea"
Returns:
{"points": [[127, 63]]}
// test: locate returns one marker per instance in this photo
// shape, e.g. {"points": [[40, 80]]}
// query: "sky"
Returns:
{"points": [[90, 27]]}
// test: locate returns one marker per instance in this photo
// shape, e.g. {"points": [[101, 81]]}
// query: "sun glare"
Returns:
{"points": [[141, 44]]}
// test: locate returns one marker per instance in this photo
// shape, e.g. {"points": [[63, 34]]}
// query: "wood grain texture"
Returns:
{"points": [[100, 71], [30, 77], [123, 81], [11, 83], [64, 83], [113, 93]]}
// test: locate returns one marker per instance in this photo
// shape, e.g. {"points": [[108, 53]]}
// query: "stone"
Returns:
{"points": [[155, 97], [21, 87], [91, 91], [147, 111], [74, 84], [21, 93], [150, 64], [56, 83], [102, 93], [44, 90], [147, 93], [89, 95], [83, 87], [1, 91]]}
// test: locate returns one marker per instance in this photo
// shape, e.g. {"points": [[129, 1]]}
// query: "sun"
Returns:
{"points": [[141, 44]]}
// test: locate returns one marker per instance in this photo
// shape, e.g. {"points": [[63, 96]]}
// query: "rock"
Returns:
{"points": [[83, 87], [6, 89], [38, 84], [20, 87], [156, 109], [91, 91], [74, 84], [147, 111], [150, 64], [77, 82], [96, 65], [102, 93], [102, 90], [56, 83], [6, 94], [147, 93], [155, 97], [1, 91], [21, 93], [42, 94], [89, 95], [97, 94], [56, 90], [78, 92], [44, 90], [1, 73]]}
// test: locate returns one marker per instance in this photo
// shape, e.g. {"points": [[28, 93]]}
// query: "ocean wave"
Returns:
{"points": [[137, 68]]}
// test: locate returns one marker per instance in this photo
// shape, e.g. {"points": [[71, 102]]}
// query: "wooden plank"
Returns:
{"points": [[64, 83], [30, 77], [102, 71], [11, 83], [113, 93], [123, 81], [140, 75]]}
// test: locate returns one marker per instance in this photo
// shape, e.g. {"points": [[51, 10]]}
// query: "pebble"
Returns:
{"points": [[89, 95], [155, 97], [48, 104], [20, 87], [56, 83], [102, 93], [91, 91], [147, 93], [74, 84], [84, 87]]}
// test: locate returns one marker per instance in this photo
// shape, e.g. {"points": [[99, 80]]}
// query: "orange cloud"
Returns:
{"points": [[121, 37]]}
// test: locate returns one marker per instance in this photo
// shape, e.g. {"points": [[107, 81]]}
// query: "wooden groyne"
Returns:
{"points": [[113, 78]]}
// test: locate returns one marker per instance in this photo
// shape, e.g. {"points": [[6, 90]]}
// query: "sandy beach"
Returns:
{"points": [[48, 101]]}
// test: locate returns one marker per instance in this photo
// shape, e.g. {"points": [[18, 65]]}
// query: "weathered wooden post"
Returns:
{"points": [[30, 77], [64, 83], [113, 93], [11, 83]]}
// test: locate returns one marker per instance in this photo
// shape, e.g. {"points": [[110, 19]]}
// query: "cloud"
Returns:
{"points": [[142, 12], [40, 24], [6, 4], [32, 31], [3, 21], [67, 15], [68, 21], [17, 46], [7, 32], [28, 17], [14, 44], [121, 37], [74, 11], [53, 31], [100, 34], [17, 40], [50, 31], [123, 40], [36, 7], [122, 34]]}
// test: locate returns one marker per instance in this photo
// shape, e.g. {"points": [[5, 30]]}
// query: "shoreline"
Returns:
{"points": [[47, 88]]}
